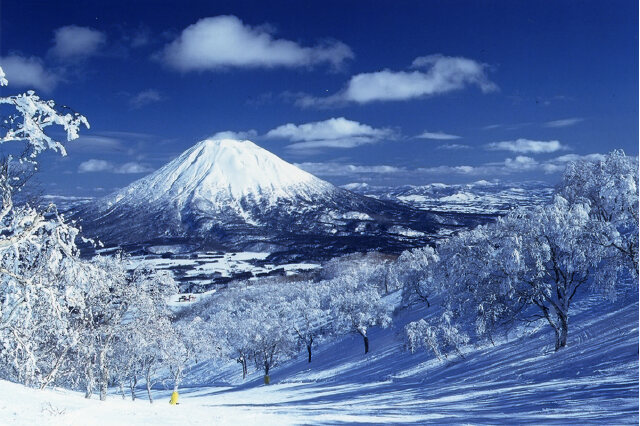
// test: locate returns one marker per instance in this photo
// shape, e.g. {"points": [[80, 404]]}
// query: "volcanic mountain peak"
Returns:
{"points": [[233, 194], [225, 169]]}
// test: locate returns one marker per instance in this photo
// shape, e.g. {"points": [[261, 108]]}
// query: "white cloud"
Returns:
{"points": [[225, 41], [340, 169], [510, 166], [458, 170], [132, 168], [493, 126], [95, 143], [111, 142], [524, 146], [230, 134], [521, 163], [145, 97], [563, 123], [73, 42], [439, 136], [93, 165], [332, 133], [506, 126], [453, 146], [28, 72], [435, 75]]}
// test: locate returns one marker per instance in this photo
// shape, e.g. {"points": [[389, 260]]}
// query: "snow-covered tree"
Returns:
{"points": [[467, 279], [184, 344], [610, 186], [532, 260], [249, 322], [271, 341], [107, 299], [356, 305], [307, 310], [458, 273], [547, 255], [414, 270], [57, 311], [31, 117], [233, 341], [440, 338], [154, 344], [146, 331], [125, 361], [221, 334], [122, 306], [37, 248], [37, 339]]}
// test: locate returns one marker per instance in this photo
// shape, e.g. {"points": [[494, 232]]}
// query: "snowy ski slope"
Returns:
{"points": [[520, 380]]}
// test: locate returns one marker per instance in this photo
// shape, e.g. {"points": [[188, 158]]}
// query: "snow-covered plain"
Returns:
{"points": [[520, 380], [203, 270]]}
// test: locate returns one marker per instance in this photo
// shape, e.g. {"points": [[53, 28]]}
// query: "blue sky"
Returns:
{"points": [[382, 92]]}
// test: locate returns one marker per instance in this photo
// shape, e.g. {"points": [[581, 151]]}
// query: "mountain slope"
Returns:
{"points": [[233, 195], [518, 381]]}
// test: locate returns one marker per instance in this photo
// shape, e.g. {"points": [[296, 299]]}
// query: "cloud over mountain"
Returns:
{"points": [[332, 133], [230, 134]]}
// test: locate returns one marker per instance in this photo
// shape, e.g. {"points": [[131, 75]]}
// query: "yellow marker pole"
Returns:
{"points": [[174, 398]]}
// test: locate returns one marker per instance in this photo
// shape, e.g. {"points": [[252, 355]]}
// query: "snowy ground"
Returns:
{"points": [[520, 380], [203, 270]]}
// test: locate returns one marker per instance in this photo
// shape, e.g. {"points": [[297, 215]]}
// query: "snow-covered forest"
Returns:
{"points": [[99, 327]]}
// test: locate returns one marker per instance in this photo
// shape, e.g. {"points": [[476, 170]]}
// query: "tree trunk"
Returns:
{"points": [[562, 331], [366, 344], [309, 351], [89, 389], [52, 374], [104, 375], [243, 362], [148, 377], [89, 380], [124, 396], [267, 379], [176, 379], [133, 381]]}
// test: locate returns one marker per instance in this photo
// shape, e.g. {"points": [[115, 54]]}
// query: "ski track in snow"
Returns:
{"points": [[517, 381]]}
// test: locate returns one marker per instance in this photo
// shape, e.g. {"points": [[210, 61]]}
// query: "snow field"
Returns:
{"points": [[520, 380]]}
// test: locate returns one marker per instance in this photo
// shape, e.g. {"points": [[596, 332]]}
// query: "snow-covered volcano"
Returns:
{"points": [[233, 194], [226, 177]]}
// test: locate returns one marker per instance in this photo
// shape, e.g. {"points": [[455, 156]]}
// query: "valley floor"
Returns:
{"points": [[517, 381]]}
